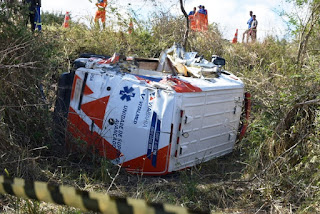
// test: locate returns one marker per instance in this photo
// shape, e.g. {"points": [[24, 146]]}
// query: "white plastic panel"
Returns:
{"points": [[209, 125]]}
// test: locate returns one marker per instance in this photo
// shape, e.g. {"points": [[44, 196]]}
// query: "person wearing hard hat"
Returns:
{"points": [[101, 12]]}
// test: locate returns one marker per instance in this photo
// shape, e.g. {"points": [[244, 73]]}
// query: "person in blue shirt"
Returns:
{"points": [[204, 19], [205, 10], [193, 11], [202, 10], [247, 32]]}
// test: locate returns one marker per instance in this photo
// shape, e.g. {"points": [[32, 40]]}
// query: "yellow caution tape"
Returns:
{"points": [[84, 200]]}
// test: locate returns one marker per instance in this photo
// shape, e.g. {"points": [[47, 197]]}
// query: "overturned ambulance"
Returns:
{"points": [[152, 116]]}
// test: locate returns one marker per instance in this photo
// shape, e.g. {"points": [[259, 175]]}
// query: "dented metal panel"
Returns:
{"points": [[151, 121]]}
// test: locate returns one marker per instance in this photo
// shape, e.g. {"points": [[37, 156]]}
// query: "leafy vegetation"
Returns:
{"points": [[52, 18], [275, 168]]}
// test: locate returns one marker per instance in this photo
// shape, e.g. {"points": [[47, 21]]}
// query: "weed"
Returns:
{"points": [[275, 168]]}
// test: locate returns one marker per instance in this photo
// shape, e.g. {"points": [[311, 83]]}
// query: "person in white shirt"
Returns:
{"points": [[253, 29]]}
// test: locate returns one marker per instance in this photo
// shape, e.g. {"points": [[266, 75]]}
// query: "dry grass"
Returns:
{"points": [[273, 170]]}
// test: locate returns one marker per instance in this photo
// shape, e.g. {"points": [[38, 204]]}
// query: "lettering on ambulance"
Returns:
{"points": [[91, 77], [154, 138], [115, 138], [148, 114], [151, 134], [138, 112], [156, 144], [126, 95], [118, 132]]}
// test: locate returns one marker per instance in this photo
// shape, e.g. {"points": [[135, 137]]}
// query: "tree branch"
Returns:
{"points": [[186, 34]]}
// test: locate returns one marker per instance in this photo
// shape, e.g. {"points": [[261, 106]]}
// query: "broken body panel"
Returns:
{"points": [[152, 122]]}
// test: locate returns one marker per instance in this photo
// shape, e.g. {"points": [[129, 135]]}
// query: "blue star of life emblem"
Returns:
{"points": [[127, 93]]}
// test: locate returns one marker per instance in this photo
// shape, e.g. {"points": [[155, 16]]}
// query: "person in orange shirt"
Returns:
{"points": [[201, 17], [101, 12], [192, 19], [130, 29], [197, 19], [205, 23]]}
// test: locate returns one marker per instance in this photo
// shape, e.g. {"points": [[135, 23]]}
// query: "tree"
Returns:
{"points": [[185, 39], [308, 28], [52, 18], [304, 24]]}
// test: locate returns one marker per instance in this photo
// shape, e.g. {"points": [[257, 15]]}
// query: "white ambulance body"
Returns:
{"points": [[150, 121]]}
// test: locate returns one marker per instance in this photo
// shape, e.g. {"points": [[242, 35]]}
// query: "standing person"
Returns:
{"points": [[197, 21], [249, 22], [192, 12], [101, 12], [204, 10], [37, 21], [192, 19], [253, 30], [130, 29], [205, 25], [202, 18], [32, 8]]}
